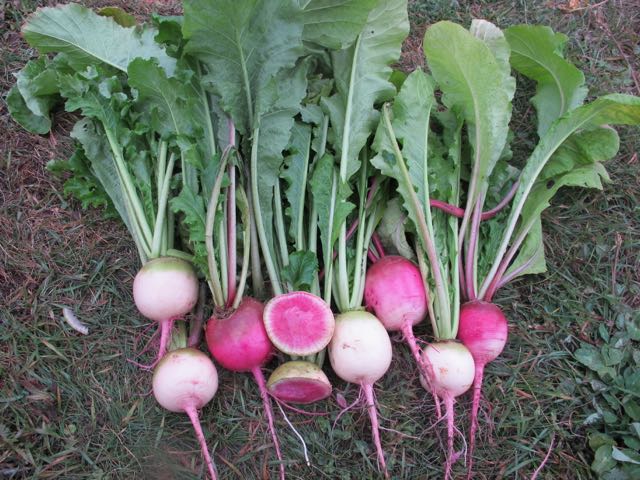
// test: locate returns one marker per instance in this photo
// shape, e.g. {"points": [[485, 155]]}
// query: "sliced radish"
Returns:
{"points": [[299, 382], [299, 323]]}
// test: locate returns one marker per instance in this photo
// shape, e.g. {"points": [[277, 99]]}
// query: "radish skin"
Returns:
{"points": [[165, 289], [453, 373], [483, 330], [184, 381], [360, 352]]}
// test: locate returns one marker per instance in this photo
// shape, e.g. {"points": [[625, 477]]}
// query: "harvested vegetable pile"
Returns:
{"points": [[269, 150]]}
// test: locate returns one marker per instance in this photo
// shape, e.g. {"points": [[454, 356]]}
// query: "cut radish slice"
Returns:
{"points": [[299, 382], [299, 323]]}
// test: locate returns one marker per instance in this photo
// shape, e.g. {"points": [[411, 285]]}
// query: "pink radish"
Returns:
{"points": [[299, 323], [483, 330], [165, 289], [360, 352], [394, 291], [299, 381], [184, 381], [453, 370], [240, 343]]}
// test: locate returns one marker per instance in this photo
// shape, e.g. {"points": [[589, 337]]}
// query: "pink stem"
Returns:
{"points": [[448, 403], [477, 392], [195, 333], [426, 369], [378, 244], [193, 416], [373, 257], [474, 233], [375, 427], [231, 236], [264, 393], [459, 212], [463, 284]]}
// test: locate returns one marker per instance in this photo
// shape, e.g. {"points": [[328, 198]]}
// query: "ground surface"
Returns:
{"points": [[72, 407]]}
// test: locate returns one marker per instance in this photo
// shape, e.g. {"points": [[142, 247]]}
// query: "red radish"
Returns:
{"points": [[360, 352], [184, 381], [394, 291], [165, 289], [453, 370], [483, 330], [240, 343], [299, 382], [299, 323]]}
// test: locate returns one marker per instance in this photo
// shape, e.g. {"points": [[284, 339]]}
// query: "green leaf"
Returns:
{"points": [[192, 207], [295, 174], [603, 460], [475, 83], [88, 38], [244, 46], [590, 357], [536, 52], [626, 455], [171, 101], [121, 17], [24, 116], [38, 86], [392, 230], [301, 270], [334, 24], [530, 259], [610, 109], [361, 75]]}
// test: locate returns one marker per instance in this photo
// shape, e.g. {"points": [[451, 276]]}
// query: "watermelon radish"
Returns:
{"points": [[299, 381], [299, 323], [240, 343]]}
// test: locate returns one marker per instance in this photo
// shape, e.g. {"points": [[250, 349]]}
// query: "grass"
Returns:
{"points": [[72, 407]]}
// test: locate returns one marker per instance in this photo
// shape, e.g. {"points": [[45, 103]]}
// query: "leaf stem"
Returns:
{"points": [[163, 196]]}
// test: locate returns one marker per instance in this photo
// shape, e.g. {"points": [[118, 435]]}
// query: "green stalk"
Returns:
{"points": [[216, 288], [424, 270], [222, 249], [280, 230], [257, 280], [262, 236], [360, 265], [172, 252], [139, 224], [313, 246], [425, 233], [300, 228], [246, 246], [163, 196]]}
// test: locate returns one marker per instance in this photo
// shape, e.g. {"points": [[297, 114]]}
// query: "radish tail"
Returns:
{"points": [[448, 403], [193, 416], [477, 391], [426, 369], [375, 429], [264, 393]]}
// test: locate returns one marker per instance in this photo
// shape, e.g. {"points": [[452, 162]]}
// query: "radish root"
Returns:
{"points": [[264, 393], [375, 427], [477, 392], [193, 416]]}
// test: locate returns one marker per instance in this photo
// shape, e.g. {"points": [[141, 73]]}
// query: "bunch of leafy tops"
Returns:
{"points": [[271, 145]]}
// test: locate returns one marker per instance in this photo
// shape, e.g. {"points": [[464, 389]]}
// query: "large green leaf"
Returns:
{"points": [[610, 109], [21, 113], [334, 24], [536, 52], [244, 46], [361, 75], [295, 174], [475, 83], [88, 38]]}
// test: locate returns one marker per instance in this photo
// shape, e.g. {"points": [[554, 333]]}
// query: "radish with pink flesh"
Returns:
{"points": [[185, 380], [299, 382], [165, 289], [299, 323], [453, 371], [395, 292], [239, 342], [483, 330], [360, 352]]}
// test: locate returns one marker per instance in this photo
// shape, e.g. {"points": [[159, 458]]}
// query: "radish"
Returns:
{"points": [[452, 375], [240, 343], [394, 291], [299, 323], [299, 382], [483, 330], [165, 289], [185, 380], [360, 352]]}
